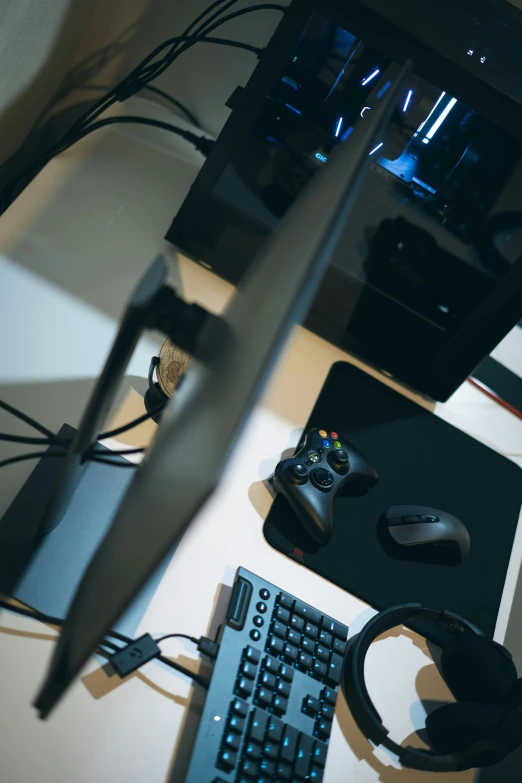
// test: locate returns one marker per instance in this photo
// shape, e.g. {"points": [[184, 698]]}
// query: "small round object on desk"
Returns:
{"points": [[261, 607], [258, 621], [264, 594], [322, 478], [255, 635]]}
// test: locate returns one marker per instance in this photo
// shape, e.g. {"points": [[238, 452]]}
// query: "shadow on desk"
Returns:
{"points": [[187, 734]]}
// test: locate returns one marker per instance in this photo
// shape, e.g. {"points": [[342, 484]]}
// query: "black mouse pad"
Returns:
{"points": [[421, 460]]}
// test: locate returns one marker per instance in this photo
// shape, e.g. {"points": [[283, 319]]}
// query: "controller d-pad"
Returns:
{"points": [[322, 478]]}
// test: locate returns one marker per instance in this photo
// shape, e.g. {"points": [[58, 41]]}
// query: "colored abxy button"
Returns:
{"points": [[334, 435], [323, 433], [326, 443], [337, 444]]}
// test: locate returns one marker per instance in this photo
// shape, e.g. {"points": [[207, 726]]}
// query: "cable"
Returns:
{"points": [[202, 143], [192, 117], [45, 618], [113, 462], [176, 636], [32, 455], [137, 80], [110, 453], [23, 439], [31, 422], [131, 424]]}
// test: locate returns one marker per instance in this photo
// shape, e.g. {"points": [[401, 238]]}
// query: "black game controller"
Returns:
{"points": [[323, 464]]}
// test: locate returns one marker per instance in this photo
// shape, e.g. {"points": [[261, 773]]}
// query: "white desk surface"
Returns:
{"points": [[72, 247]]}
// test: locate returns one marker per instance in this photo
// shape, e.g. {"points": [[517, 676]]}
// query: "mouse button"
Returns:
{"points": [[411, 519], [394, 522]]}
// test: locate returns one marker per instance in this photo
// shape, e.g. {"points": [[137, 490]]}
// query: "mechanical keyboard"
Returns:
{"points": [[271, 702]]}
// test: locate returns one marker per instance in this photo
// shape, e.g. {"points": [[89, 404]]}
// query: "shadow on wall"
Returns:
{"points": [[96, 38]]}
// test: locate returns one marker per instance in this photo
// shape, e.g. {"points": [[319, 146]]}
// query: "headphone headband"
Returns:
{"points": [[362, 707]]}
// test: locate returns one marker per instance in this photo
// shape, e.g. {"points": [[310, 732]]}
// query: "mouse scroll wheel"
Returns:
{"points": [[412, 519], [429, 518]]}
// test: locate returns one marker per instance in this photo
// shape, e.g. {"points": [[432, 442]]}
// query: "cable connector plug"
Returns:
{"points": [[208, 647], [201, 143]]}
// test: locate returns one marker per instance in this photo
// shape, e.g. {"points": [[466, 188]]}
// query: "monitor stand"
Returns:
{"points": [[53, 566]]}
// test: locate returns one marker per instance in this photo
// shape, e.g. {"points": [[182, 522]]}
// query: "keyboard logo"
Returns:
{"points": [[298, 552]]}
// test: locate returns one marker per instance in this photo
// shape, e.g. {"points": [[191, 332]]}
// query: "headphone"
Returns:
{"points": [[485, 723]]}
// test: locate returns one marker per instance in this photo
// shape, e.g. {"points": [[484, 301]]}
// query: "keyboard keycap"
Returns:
{"points": [[245, 687], [278, 629], [334, 669], [239, 708], [289, 746], [268, 680], [270, 665], [325, 638], [275, 645], [339, 646], [319, 669], [279, 705], [290, 653], [271, 750], [307, 611], [293, 637], [249, 671], [304, 754], [283, 771], [335, 628], [285, 600], [286, 672], [258, 725], [232, 741], [275, 730], [323, 729], [282, 614], [283, 689], [249, 768], [316, 775], [319, 754], [236, 724], [267, 767], [311, 706], [297, 623], [307, 645], [329, 695], [304, 661], [227, 760], [253, 751], [327, 712], [252, 655], [263, 697], [311, 630], [322, 653]]}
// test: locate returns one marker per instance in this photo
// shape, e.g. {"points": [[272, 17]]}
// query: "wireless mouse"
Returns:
{"points": [[427, 533]]}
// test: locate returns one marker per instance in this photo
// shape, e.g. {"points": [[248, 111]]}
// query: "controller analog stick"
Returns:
{"points": [[298, 474], [322, 478], [338, 459]]}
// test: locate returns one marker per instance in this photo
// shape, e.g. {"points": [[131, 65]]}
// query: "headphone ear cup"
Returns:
{"points": [[476, 670], [455, 726]]}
